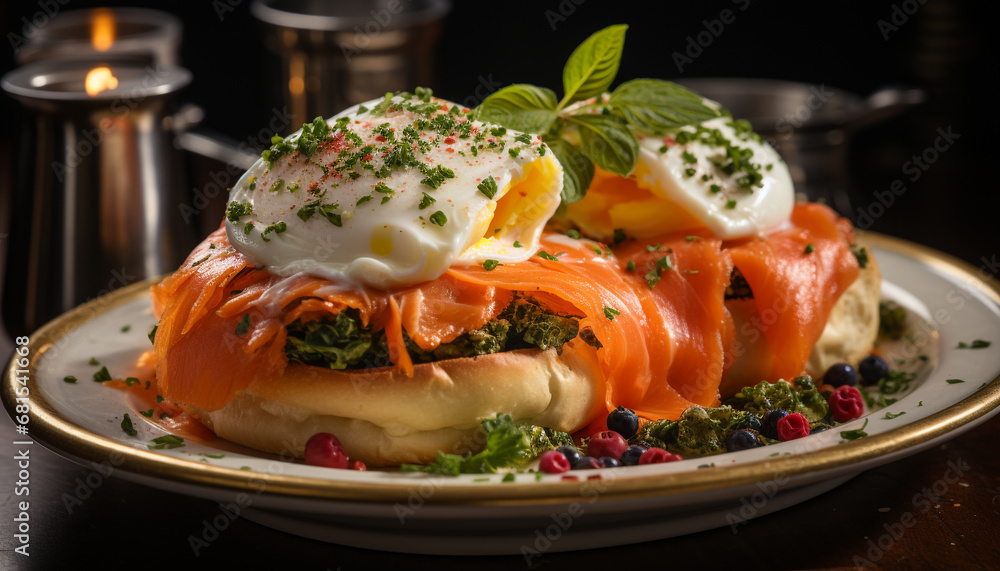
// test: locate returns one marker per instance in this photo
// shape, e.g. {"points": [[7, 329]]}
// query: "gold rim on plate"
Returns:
{"points": [[49, 427]]}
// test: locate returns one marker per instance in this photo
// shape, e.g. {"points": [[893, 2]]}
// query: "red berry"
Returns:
{"points": [[657, 456], [846, 403], [323, 449], [553, 462], [358, 465], [608, 443], [793, 426]]}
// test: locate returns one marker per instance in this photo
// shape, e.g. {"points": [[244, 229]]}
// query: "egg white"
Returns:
{"points": [[395, 243]]}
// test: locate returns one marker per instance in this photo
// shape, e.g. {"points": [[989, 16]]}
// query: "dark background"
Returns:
{"points": [[945, 47]]}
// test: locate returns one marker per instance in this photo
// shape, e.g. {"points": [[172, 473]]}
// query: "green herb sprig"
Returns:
{"points": [[600, 132]]}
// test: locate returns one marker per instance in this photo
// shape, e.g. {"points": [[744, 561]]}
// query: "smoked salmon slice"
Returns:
{"points": [[653, 312]]}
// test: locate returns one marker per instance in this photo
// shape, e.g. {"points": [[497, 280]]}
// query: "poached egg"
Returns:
{"points": [[392, 193], [717, 175]]}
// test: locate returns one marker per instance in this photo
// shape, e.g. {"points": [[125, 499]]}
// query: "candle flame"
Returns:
{"points": [[100, 79], [102, 29]]}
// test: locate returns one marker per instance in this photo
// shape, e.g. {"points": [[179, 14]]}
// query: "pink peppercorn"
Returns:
{"points": [[608, 443], [846, 403], [324, 449], [657, 456], [553, 462], [793, 426]]}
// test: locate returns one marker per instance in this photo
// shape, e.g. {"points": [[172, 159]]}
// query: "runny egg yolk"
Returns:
{"points": [[616, 202], [520, 205]]}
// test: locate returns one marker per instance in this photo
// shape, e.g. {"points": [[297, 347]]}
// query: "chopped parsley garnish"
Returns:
{"points": [[165, 441], [439, 218], [861, 254], [689, 158], [159, 398], [277, 228], [572, 233], [236, 210], [810, 248], [731, 204], [619, 236], [954, 381], [490, 265], [426, 201], [278, 185], [248, 227], [690, 172], [488, 187], [126, 328], [715, 188], [611, 312], [244, 325], [363, 200], [653, 247], [384, 188], [435, 176], [147, 413], [547, 256], [69, 379], [890, 416], [631, 266], [102, 375], [93, 361], [152, 334], [130, 381], [855, 434], [200, 260], [977, 344], [127, 427], [518, 244]]}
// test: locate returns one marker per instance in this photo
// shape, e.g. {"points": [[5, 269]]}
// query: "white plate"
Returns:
{"points": [[418, 513]]}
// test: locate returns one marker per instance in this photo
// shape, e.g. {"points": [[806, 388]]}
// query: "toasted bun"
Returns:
{"points": [[851, 330], [848, 336], [385, 418]]}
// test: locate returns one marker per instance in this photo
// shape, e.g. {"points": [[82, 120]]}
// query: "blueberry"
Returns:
{"points": [[631, 456], [588, 463], [741, 440], [840, 374], [873, 369], [770, 428], [609, 462], [571, 454], [624, 422]]}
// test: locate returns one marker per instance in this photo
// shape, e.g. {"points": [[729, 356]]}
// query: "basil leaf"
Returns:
{"points": [[655, 105], [578, 170], [521, 107], [607, 141], [593, 65]]}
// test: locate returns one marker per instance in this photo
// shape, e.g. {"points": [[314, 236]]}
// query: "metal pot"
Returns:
{"points": [[97, 189]]}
